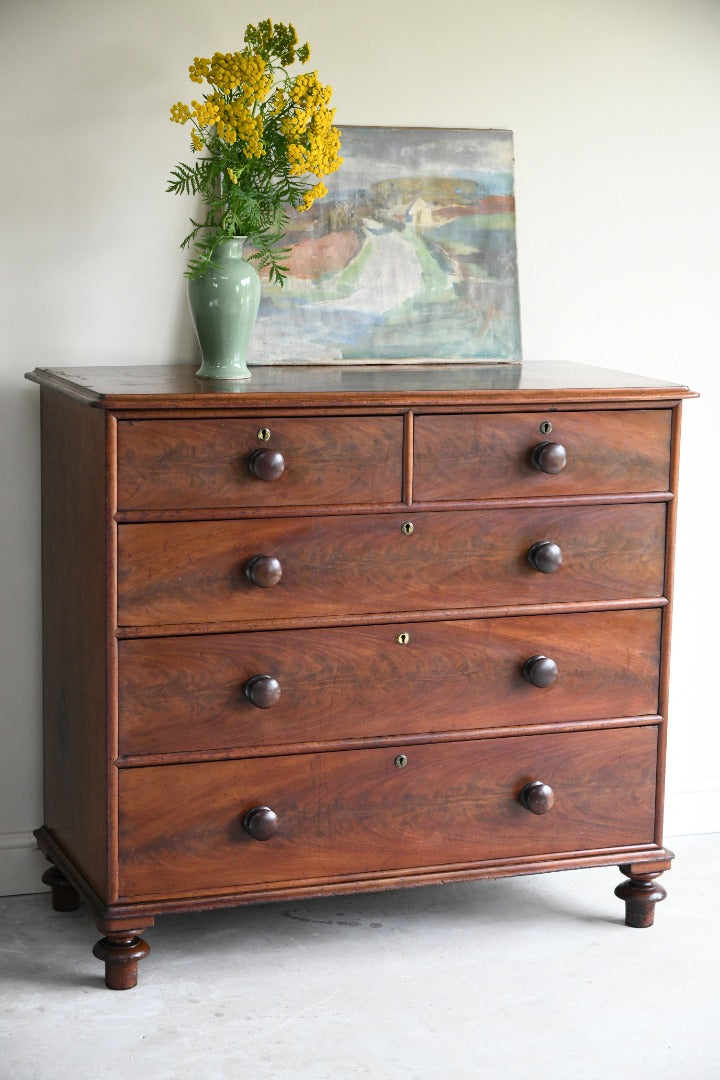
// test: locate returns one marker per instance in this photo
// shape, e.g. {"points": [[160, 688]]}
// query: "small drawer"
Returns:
{"points": [[506, 455], [203, 463], [253, 690], [183, 829], [214, 572]]}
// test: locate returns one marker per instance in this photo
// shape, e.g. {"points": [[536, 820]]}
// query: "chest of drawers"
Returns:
{"points": [[350, 629]]}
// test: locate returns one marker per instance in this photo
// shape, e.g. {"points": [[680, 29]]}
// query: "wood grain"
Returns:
{"points": [[353, 812], [180, 695], [486, 455], [185, 572], [203, 463], [175, 386], [74, 634]]}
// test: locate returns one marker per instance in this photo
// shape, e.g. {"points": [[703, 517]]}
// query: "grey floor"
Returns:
{"points": [[532, 977]]}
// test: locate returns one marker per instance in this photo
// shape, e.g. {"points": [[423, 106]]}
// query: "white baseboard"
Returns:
{"points": [[21, 865]]}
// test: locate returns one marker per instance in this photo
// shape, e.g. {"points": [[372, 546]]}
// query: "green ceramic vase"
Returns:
{"points": [[224, 303]]}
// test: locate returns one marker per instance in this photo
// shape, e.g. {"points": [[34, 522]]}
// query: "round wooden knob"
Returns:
{"points": [[545, 556], [537, 797], [549, 457], [263, 691], [540, 670], [266, 464], [264, 571], [261, 822]]}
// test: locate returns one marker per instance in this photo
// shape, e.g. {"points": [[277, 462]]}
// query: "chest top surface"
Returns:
{"points": [[177, 387]]}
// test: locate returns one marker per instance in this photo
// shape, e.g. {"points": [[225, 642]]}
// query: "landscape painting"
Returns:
{"points": [[410, 256]]}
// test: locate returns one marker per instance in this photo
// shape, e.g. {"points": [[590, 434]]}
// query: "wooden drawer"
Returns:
{"points": [[345, 814], [205, 463], [185, 694], [195, 572], [485, 456]]}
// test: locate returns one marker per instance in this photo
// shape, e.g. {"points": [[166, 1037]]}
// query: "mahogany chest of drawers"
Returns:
{"points": [[341, 629]]}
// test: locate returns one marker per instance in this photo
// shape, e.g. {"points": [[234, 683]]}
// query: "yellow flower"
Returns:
{"points": [[206, 113], [199, 69], [197, 141], [232, 175], [179, 113]]}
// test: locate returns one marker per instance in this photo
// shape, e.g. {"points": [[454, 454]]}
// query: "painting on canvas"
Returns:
{"points": [[410, 256]]}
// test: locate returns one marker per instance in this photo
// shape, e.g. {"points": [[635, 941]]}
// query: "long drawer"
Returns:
{"points": [[277, 461], [199, 572], [228, 691], [349, 813], [482, 456]]}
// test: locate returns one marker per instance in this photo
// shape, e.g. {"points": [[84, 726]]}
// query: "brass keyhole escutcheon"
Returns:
{"points": [[404, 638], [400, 761], [545, 427], [408, 528], [264, 434]]}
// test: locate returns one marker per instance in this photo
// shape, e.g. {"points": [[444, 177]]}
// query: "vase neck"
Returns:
{"points": [[232, 246]]}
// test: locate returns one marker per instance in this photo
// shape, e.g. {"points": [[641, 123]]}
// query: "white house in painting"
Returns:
{"points": [[420, 214]]}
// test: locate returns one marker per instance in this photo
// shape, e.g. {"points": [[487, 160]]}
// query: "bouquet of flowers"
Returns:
{"points": [[263, 139]]}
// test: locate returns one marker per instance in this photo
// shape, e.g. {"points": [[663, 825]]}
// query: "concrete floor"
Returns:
{"points": [[532, 977]]}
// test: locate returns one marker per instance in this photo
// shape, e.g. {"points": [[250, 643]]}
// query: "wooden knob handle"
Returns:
{"points": [[545, 556], [264, 571], [266, 464], [263, 691], [540, 670], [549, 457], [261, 822], [537, 797]]}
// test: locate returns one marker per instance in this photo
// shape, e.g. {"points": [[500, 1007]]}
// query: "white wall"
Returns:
{"points": [[614, 105]]}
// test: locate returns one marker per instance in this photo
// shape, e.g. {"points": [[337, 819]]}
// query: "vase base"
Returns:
{"points": [[236, 375]]}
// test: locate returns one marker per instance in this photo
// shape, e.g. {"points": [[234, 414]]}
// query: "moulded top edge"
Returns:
{"points": [[411, 384]]}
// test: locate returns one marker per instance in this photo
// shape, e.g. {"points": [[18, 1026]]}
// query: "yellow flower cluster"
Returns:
{"points": [[179, 113], [315, 143], [237, 122], [279, 40], [241, 82], [228, 71], [309, 92], [319, 152], [317, 191], [323, 144], [206, 113]]}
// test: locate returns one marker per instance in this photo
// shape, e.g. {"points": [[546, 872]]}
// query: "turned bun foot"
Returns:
{"points": [[64, 896], [641, 893], [121, 952]]}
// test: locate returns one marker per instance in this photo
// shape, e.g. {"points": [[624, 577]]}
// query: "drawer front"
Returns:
{"points": [[185, 694], [348, 813], [206, 463], [197, 572], [491, 455]]}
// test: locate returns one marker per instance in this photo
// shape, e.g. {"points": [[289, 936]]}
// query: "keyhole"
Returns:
{"points": [[263, 434], [400, 761], [545, 427], [404, 638], [408, 528]]}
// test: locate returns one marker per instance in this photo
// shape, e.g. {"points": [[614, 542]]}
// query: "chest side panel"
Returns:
{"points": [[75, 682]]}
